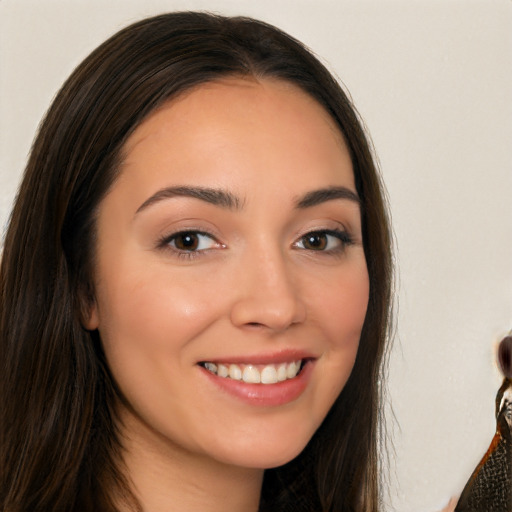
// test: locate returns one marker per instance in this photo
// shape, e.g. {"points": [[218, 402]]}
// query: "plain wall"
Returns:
{"points": [[433, 82]]}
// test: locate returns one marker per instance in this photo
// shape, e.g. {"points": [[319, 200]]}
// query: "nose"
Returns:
{"points": [[267, 295]]}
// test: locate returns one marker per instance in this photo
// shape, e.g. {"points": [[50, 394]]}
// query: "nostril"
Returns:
{"points": [[254, 326]]}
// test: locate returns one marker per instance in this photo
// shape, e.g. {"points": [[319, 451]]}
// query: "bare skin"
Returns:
{"points": [[188, 483], [232, 237], [451, 505]]}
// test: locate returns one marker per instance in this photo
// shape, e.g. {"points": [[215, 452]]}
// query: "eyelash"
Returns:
{"points": [[343, 237], [166, 241]]}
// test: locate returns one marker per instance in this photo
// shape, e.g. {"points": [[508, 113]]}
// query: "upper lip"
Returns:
{"points": [[283, 356]]}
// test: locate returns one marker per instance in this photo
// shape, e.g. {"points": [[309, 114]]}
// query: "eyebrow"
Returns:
{"points": [[316, 197], [213, 196], [225, 199]]}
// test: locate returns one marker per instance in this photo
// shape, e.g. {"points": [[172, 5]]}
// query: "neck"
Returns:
{"points": [[165, 476]]}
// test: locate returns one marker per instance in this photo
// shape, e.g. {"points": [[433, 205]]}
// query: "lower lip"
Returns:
{"points": [[264, 395]]}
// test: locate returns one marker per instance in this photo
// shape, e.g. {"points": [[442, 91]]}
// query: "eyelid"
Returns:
{"points": [[342, 239], [342, 235], [164, 243]]}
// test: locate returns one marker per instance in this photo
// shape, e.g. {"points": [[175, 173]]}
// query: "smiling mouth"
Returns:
{"points": [[256, 373]]}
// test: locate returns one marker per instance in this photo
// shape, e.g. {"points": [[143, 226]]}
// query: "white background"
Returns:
{"points": [[433, 82]]}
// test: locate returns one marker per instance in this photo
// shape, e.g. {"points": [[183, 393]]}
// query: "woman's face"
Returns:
{"points": [[231, 245]]}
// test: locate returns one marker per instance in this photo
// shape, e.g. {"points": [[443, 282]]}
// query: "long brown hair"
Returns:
{"points": [[59, 444]]}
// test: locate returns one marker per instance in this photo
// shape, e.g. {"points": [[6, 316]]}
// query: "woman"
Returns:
{"points": [[195, 283]]}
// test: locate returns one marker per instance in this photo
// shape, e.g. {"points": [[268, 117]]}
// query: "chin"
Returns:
{"points": [[266, 452]]}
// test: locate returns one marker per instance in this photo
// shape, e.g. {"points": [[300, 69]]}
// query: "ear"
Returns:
{"points": [[87, 306], [88, 310], [90, 317]]}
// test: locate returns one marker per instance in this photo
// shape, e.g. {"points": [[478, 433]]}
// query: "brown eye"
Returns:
{"points": [[190, 241], [186, 241], [328, 241], [315, 241]]}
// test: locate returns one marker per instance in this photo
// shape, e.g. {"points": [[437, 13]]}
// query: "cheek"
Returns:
{"points": [[152, 314], [342, 306], [149, 326]]}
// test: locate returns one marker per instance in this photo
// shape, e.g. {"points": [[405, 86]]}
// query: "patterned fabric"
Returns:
{"points": [[490, 487], [291, 490]]}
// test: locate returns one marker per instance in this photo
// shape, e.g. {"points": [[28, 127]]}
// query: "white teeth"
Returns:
{"points": [[212, 367], [222, 370], [235, 372], [269, 374], [293, 369], [281, 373], [251, 375]]}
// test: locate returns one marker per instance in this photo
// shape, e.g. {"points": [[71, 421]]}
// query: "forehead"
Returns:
{"points": [[234, 127], [221, 100]]}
